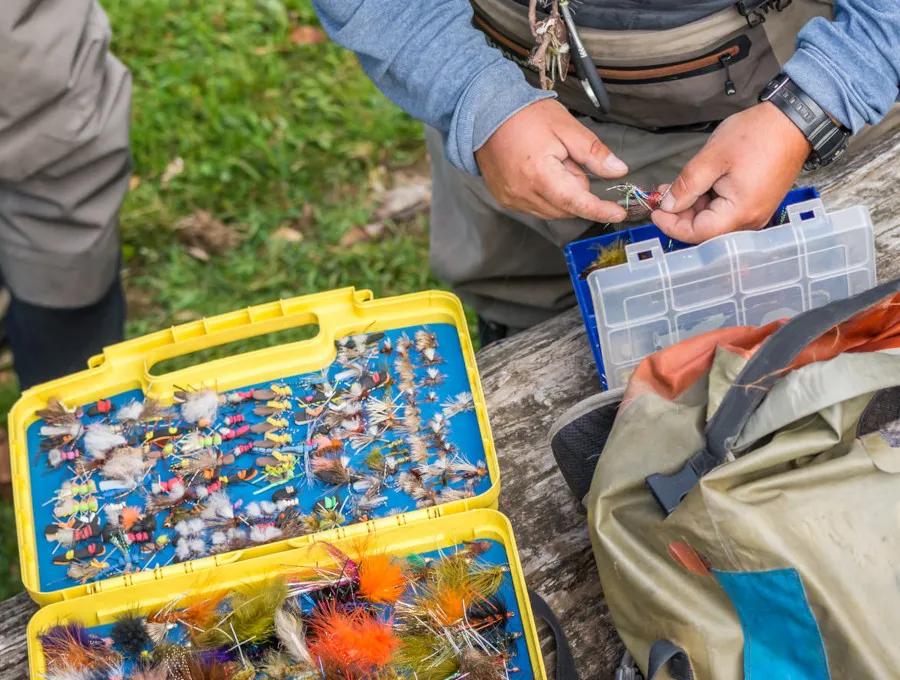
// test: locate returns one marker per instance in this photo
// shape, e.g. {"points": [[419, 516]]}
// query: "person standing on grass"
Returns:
{"points": [[64, 169], [65, 105], [520, 171]]}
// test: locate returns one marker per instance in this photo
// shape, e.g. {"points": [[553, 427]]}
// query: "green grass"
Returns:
{"points": [[272, 134]]}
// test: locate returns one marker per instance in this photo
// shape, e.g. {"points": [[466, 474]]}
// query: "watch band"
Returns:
{"points": [[827, 137]]}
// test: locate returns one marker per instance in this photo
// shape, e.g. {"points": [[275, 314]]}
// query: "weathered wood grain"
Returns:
{"points": [[529, 380], [14, 615]]}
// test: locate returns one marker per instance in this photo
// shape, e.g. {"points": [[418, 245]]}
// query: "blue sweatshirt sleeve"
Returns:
{"points": [[851, 66], [428, 59]]}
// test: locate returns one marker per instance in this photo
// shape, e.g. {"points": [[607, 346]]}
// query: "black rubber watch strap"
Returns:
{"points": [[827, 137]]}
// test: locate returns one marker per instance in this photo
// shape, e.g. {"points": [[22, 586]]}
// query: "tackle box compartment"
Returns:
{"points": [[667, 291], [125, 372], [437, 535]]}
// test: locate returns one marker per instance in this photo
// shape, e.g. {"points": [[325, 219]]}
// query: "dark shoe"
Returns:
{"points": [[579, 435], [490, 331]]}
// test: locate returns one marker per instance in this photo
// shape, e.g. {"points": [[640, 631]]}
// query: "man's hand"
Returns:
{"points": [[535, 162], [737, 179]]}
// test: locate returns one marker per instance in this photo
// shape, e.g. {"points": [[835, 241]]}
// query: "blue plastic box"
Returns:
{"points": [[580, 254]]}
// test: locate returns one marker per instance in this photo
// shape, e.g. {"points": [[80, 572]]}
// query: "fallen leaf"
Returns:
{"points": [[369, 232], [134, 182], [186, 315], [140, 302], [405, 200], [173, 169], [198, 253], [377, 179], [362, 150], [308, 35], [287, 234], [409, 196], [208, 235]]}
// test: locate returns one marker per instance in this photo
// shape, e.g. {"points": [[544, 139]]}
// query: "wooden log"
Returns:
{"points": [[533, 377], [529, 380], [14, 615]]}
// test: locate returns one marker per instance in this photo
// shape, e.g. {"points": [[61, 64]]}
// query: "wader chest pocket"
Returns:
{"points": [[699, 87], [719, 59]]}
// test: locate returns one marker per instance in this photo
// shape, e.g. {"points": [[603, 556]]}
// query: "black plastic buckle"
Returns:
{"points": [[627, 670], [628, 674], [670, 490], [755, 11]]}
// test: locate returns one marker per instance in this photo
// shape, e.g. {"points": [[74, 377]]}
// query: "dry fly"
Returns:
{"points": [[461, 403]]}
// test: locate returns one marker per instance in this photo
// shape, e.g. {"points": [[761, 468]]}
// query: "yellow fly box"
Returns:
{"points": [[138, 476], [440, 536]]}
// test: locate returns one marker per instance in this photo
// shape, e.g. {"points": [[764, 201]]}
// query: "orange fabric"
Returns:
{"points": [[671, 371]]}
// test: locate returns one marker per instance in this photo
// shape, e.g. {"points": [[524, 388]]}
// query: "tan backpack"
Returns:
{"points": [[745, 510]]}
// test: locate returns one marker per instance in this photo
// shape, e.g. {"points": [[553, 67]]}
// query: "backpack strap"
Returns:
{"points": [[665, 654], [565, 662], [754, 382]]}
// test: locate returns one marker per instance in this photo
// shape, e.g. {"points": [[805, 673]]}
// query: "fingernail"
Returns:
{"points": [[614, 164], [667, 203]]}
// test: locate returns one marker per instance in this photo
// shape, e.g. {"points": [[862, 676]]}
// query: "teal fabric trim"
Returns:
{"points": [[781, 636]]}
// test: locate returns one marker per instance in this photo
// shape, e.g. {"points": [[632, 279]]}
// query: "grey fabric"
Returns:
{"points": [[667, 655], [642, 15], [64, 154], [509, 265], [882, 411]]}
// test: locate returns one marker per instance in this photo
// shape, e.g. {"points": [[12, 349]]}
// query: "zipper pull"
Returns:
{"points": [[726, 60]]}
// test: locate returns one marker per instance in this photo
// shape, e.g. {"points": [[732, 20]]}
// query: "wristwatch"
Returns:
{"points": [[826, 135]]}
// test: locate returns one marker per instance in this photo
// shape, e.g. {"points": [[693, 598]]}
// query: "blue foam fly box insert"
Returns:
{"points": [[342, 502]]}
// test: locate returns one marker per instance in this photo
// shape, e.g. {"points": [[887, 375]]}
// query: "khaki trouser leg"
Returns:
{"points": [[509, 265], [64, 155]]}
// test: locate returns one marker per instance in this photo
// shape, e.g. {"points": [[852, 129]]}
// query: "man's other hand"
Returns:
{"points": [[737, 179], [536, 161]]}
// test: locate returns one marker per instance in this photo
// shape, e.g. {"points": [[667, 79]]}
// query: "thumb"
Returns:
{"points": [[586, 149], [695, 179]]}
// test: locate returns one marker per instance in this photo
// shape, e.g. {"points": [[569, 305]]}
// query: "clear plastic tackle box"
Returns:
{"points": [[658, 298]]}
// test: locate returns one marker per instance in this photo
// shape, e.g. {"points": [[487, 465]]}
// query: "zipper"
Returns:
{"points": [[726, 60], [721, 58]]}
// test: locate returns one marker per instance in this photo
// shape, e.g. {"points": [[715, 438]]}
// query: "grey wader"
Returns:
{"points": [[668, 90], [64, 171]]}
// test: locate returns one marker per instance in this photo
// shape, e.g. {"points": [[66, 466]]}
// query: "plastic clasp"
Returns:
{"points": [[670, 490], [627, 669], [644, 253], [798, 213]]}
